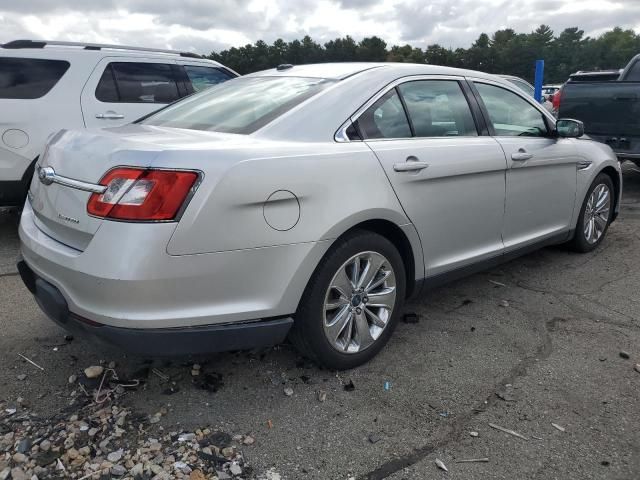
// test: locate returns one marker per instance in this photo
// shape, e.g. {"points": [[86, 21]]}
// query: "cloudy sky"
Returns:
{"points": [[205, 25]]}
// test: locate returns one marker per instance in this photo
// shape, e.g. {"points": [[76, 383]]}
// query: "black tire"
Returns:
{"points": [[308, 334], [579, 242]]}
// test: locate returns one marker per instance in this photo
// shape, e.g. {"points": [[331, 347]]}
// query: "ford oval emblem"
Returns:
{"points": [[46, 175]]}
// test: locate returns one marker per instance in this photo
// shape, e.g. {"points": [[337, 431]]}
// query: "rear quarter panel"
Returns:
{"points": [[336, 186]]}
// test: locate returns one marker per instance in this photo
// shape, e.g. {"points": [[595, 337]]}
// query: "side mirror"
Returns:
{"points": [[568, 128]]}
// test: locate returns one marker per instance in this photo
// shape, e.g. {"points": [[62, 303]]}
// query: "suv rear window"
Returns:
{"points": [[205, 77], [242, 105], [130, 82], [29, 78]]}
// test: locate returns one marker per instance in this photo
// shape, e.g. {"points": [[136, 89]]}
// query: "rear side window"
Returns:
{"points": [[129, 82], [438, 108], [205, 77], [29, 78], [385, 119]]}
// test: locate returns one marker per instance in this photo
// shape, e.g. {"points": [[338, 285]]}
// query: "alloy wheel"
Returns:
{"points": [[359, 302], [596, 214]]}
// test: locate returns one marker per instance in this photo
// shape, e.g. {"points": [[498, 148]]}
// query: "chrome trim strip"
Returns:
{"points": [[47, 176]]}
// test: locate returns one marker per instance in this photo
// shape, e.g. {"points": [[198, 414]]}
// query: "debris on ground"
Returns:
{"points": [[625, 355], [506, 430], [211, 382], [558, 427], [288, 391], [410, 318], [21, 377], [374, 438], [473, 460], [349, 386], [31, 362], [504, 303], [94, 371], [441, 465], [499, 284], [96, 437], [322, 396], [474, 434], [637, 367]]}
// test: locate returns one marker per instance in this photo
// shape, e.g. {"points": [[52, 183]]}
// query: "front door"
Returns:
{"points": [[449, 180], [121, 91], [541, 169]]}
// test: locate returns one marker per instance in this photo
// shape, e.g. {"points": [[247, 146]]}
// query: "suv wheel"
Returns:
{"points": [[352, 302]]}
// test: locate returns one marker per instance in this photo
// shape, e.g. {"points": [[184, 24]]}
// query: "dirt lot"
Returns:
{"points": [[534, 342]]}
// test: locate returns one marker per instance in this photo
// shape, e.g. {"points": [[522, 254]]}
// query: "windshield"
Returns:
{"points": [[242, 105]]}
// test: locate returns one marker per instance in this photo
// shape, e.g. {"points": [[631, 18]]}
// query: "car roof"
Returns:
{"points": [[76, 50], [342, 70]]}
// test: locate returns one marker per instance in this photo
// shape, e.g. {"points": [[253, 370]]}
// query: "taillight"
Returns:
{"points": [[138, 194], [556, 100]]}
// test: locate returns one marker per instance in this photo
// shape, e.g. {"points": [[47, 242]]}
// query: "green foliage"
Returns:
{"points": [[506, 51]]}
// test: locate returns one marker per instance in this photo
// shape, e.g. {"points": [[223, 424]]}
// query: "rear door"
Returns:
{"points": [[449, 179], [123, 89], [541, 168]]}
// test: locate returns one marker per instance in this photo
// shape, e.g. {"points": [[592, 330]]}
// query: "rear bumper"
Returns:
{"points": [[156, 341]]}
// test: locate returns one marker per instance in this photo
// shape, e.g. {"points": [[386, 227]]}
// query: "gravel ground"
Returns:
{"points": [[548, 355]]}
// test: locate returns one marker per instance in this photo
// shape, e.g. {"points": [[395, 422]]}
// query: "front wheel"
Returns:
{"points": [[595, 215], [352, 302]]}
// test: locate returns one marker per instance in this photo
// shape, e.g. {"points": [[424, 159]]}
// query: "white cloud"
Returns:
{"points": [[205, 25]]}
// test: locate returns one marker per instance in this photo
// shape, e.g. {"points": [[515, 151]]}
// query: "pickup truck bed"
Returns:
{"points": [[610, 112]]}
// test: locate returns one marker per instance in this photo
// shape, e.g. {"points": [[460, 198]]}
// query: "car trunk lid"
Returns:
{"points": [[81, 159]]}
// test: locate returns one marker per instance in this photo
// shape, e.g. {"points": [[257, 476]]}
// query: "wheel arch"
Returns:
{"points": [[617, 185], [404, 238]]}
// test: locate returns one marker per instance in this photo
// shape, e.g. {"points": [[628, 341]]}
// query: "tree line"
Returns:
{"points": [[505, 52]]}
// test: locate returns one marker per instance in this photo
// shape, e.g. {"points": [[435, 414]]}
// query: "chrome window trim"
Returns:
{"points": [[341, 134]]}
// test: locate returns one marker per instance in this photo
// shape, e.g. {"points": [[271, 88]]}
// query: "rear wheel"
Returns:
{"points": [[595, 215], [352, 302]]}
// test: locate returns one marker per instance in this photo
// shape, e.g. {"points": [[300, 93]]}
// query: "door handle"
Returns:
{"points": [[411, 165], [521, 155], [109, 116]]}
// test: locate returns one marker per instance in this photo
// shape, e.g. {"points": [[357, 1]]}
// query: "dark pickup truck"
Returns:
{"points": [[610, 110]]}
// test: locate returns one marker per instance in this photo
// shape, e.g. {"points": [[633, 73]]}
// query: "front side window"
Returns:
{"points": [[511, 114], [242, 105], [438, 108], [29, 78], [386, 118], [205, 77], [130, 82]]}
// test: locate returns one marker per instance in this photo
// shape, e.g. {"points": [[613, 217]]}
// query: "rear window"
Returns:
{"points": [[29, 78], [242, 105], [131, 82], [633, 75]]}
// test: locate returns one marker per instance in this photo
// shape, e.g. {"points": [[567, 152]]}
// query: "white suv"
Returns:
{"points": [[48, 86]]}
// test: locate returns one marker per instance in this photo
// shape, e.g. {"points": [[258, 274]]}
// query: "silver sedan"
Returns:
{"points": [[304, 201]]}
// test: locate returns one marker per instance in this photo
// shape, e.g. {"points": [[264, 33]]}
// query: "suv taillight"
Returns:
{"points": [[142, 195], [556, 100]]}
